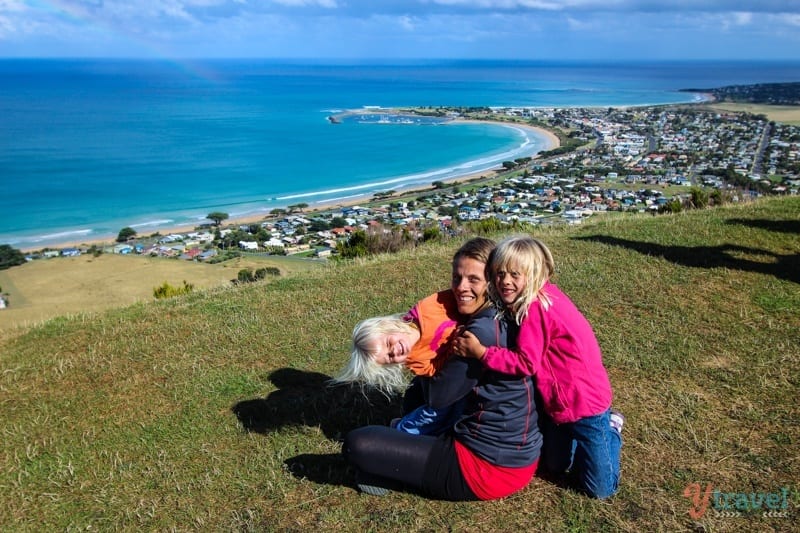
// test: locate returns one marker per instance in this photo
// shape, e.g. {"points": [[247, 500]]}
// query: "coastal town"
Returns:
{"points": [[639, 159]]}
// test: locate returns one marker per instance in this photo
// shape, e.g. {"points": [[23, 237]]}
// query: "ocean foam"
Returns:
{"points": [[153, 223]]}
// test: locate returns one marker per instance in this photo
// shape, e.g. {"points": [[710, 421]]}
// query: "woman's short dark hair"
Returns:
{"points": [[478, 249]]}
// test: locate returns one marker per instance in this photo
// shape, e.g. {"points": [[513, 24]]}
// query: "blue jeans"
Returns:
{"points": [[589, 449]]}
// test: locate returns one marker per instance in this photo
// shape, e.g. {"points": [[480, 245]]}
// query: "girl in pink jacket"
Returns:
{"points": [[556, 344]]}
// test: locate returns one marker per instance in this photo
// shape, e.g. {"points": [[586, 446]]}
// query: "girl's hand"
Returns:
{"points": [[467, 345]]}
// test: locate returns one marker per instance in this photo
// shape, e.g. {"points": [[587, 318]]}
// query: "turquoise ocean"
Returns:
{"points": [[88, 147]]}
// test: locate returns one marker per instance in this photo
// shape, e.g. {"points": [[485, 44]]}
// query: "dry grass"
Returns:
{"points": [[778, 113], [44, 289]]}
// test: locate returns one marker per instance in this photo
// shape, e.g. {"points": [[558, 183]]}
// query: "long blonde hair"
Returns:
{"points": [[362, 368], [530, 257]]}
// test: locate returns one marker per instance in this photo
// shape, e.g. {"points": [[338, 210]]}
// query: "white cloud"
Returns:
{"points": [[330, 4], [741, 19], [417, 28], [792, 19], [578, 25], [623, 6], [8, 6], [408, 23], [503, 5], [176, 10]]}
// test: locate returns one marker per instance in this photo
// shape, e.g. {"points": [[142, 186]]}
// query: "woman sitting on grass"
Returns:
{"points": [[492, 449]]}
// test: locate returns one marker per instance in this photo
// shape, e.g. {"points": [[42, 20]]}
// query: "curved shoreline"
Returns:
{"points": [[550, 140]]}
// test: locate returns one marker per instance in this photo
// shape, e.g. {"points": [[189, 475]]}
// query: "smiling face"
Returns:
{"points": [[469, 285], [393, 348], [509, 284]]}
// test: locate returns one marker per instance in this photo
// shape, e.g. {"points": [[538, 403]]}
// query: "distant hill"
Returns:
{"points": [[210, 411], [761, 93]]}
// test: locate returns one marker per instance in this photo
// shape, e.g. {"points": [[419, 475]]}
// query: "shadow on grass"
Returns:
{"points": [[780, 226], [731, 256], [325, 469], [307, 399]]}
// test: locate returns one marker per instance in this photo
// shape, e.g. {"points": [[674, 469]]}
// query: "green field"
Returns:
{"points": [[210, 412]]}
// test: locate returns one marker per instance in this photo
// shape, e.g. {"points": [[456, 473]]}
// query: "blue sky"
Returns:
{"points": [[400, 29]]}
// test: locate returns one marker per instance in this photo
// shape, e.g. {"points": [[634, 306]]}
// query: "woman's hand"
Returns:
{"points": [[467, 345]]}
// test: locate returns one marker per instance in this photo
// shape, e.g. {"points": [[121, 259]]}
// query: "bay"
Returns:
{"points": [[90, 146]]}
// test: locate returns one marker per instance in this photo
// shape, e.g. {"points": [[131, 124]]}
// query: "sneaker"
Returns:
{"points": [[364, 482], [617, 420], [372, 490]]}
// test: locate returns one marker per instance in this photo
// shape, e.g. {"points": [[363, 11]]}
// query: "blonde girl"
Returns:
{"points": [[557, 345]]}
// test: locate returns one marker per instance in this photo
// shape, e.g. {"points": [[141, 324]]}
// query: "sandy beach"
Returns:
{"points": [[551, 142]]}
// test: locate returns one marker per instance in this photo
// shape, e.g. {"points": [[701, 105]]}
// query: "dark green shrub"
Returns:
{"points": [[699, 198], [126, 234], [431, 233], [10, 257], [245, 275], [262, 273], [673, 206]]}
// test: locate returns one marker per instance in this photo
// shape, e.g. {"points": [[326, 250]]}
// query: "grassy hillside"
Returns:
{"points": [[209, 412], [43, 289]]}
